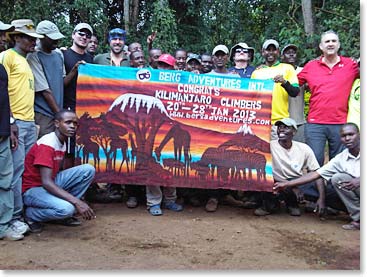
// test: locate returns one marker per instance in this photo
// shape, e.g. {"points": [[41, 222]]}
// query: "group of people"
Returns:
{"points": [[39, 182]]}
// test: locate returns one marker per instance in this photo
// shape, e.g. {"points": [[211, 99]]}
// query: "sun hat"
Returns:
{"points": [[6, 27], [241, 45], [24, 26], [289, 46]]}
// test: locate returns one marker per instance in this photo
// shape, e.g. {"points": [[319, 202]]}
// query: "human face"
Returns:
{"points": [[135, 46], [25, 44], [220, 59], [68, 125], [329, 44], [194, 65], [81, 38], [162, 65], [2, 41], [137, 59], [207, 63], [181, 57], [241, 54], [117, 45], [154, 55], [270, 54], [285, 133], [48, 44], [92, 45], [350, 137], [290, 56]]}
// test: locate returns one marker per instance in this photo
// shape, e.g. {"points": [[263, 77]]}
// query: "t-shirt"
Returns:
{"points": [[354, 104], [344, 162], [48, 151], [4, 103], [296, 105], [20, 84], [330, 89], [279, 102], [290, 163], [105, 59], [70, 59], [49, 72]]}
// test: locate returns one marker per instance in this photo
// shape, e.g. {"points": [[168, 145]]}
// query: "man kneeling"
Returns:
{"points": [[48, 193]]}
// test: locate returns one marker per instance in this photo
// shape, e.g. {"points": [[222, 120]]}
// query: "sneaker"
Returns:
{"points": [[294, 211], [173, 206], [10, 234], [354, 225], [34, 226], [19, 227], [132, 202], [261, 212], [211, 205], [70, 221]]}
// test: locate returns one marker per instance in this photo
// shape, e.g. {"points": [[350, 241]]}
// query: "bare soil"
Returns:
{"points": [[231, 238]]}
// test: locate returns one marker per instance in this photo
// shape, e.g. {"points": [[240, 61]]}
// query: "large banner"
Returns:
{"points": [[174, 128]]}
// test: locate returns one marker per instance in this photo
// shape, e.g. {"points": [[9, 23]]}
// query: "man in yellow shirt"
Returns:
{"points": [[285, 78], [21, 97]]}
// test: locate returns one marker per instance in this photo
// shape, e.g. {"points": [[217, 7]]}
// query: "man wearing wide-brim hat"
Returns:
{"points": [[21, 96], [241, 54], [4, 28]]}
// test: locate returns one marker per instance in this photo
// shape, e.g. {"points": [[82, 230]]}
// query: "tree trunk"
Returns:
{"points": [[134, 13], [308, 17], [126, 14]]}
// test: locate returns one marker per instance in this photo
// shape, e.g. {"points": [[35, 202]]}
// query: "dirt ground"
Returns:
{"points": [[229, 239]]}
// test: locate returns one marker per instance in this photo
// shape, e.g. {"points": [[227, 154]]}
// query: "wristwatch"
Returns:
{"points": [[12, 120]]}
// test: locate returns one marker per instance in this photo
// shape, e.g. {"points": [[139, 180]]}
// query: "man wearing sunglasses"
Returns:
{"points": [[116, 56], [73, 57], [241, 54]]}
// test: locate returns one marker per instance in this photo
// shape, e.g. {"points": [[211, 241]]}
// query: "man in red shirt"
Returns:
{"points": [[48, 193], [330, 78]]}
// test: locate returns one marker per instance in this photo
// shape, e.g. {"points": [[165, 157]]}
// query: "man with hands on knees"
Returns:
{"points": [[344, 173], [51, 194]]}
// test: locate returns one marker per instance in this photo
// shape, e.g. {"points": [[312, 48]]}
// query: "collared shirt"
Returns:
{"points": [[330, 89], [105, 59], [344, 162]]}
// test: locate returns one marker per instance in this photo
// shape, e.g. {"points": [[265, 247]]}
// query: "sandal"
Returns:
{"points": [[173, 206], [155, 210]]}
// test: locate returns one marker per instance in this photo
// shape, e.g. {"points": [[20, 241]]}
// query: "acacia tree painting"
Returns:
{"points": [[143, 115]]}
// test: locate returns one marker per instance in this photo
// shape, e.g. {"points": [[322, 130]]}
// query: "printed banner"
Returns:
{"points": [[174, 128]]}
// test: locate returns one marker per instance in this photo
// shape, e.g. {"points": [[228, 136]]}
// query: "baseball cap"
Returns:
{"points": [[168, 59], [24, 26], [288, 46], [270, 42], [5, 27], [49, 29], [117, 33], [81, 26], [244, 46], [193, 57], [288, 122], [220, 47]]}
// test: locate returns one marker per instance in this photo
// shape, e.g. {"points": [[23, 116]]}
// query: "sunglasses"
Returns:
{"points": [[82, 34], [239, 50]]}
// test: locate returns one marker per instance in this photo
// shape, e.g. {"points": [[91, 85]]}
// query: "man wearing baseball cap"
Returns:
{"points": [[166, 61], [289, 160], [21, 97], [116, 56], [193, 62], [220, 59], [296, 105], [73, 57], [285, 78], [47, 65]]}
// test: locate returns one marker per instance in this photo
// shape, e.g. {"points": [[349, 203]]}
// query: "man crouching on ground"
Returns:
{"points": [[344, 173], [51, 195]]}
